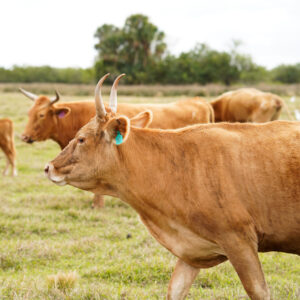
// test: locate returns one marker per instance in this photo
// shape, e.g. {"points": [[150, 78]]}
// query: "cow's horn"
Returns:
{"points": [[100, 108], [55, 99], [31, 96], [113, 94]]}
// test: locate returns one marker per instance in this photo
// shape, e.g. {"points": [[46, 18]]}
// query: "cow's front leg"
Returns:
{"points": [[98, 201], [182, 278]]}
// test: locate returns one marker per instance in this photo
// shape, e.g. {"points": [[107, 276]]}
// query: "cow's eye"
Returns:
{"points": [[81, 140], [42, 115]]}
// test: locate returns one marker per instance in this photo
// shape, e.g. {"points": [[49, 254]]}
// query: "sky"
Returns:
{"points": [[60, 33]]}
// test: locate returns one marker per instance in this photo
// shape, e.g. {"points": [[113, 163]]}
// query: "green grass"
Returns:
{"points": [[46, 230]]}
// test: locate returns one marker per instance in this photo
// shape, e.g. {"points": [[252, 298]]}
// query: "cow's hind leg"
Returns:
{"points": [[12, 158], [244, 258], [10, 154], [181, 281], [6, 170]]}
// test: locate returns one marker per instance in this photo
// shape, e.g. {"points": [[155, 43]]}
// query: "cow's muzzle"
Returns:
{"points": [[50, 174], [27, 139]]}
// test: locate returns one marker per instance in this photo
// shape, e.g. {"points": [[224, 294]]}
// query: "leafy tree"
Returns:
{"points": [[143, 41], [131, 49], [287, 73]]}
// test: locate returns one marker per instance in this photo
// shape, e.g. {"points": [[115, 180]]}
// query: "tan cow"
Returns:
{"points": [[7, 144], [247, 105], [207, 193], [61, 121]]}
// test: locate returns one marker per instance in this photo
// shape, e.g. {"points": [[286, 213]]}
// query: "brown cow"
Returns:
{"points": [[61, 121], [247, 105], [207, 193], [7, 144]]}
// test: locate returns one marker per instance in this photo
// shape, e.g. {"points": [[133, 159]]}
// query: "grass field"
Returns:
{"points": [[46, 230]]}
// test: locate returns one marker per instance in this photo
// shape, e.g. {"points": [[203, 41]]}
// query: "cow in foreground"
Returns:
{"points": [[207, 193], [7, 145], [247, 105], [49, 119]]}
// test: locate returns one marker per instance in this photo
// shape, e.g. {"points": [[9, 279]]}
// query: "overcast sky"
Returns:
{"points": [[60, 33]]}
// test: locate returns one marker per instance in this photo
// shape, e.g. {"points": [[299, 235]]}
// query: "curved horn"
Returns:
{"points": [[31, 96], [100, 108], [113, 102], [56, 98]]}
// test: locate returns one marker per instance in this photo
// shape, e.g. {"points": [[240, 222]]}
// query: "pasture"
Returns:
{"points": [[47, 230]]}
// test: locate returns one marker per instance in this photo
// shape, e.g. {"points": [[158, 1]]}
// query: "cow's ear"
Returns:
{"points": [[62, 111], [118, 129], [142, 120]]}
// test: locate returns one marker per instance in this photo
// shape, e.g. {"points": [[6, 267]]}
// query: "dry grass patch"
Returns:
{"points": [[62, 281], [157, 90]]}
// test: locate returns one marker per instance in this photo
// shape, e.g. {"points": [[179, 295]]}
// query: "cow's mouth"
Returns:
{"points": [[60, 183]]}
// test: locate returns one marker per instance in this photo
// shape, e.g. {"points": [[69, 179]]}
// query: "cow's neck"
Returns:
{"points": [[150, 161], [65, 130], [60, 135]]}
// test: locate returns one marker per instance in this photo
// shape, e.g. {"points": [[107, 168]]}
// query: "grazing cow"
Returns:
{"points": [[7, 144], [61, 121], [247, 105], [207, 193]]}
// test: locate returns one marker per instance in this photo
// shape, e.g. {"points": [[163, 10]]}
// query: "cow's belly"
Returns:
{"points": [[184, 243]]}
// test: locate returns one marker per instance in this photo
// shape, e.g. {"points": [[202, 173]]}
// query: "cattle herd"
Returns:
{"points": [[211, 181]]}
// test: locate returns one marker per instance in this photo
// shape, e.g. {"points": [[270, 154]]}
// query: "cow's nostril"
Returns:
{"points": [[24, 137], [46, 169]]}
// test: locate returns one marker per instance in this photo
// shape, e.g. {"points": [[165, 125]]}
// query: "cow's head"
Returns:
{"points": [[42, 117], [94, 156], [269, 109]]}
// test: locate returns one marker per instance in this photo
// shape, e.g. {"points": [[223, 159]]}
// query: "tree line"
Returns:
{"points": [[139, 50]]}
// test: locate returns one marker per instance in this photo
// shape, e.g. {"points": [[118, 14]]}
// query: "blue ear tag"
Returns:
{"points": [[119, 138]]}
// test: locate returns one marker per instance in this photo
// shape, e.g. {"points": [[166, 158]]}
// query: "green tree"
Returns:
{"points": [[286, 73], [131, 49], [144, 41]]}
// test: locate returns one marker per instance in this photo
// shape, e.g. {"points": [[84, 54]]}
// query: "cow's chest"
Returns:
{"points": [[183, 242]]}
